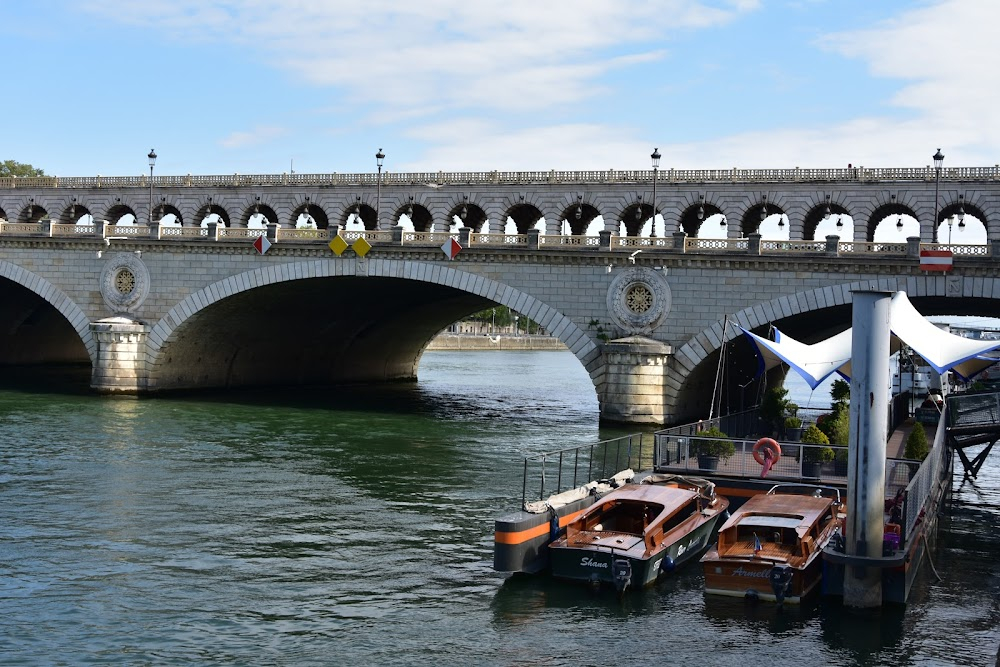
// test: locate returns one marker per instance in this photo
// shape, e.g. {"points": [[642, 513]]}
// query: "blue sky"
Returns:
{"points": [[263, 86]]}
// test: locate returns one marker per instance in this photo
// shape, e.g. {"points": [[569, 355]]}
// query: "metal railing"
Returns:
{"points": [[564, 469]]}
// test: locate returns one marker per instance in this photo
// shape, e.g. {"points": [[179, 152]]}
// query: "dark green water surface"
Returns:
{"points": [[355, 527]]}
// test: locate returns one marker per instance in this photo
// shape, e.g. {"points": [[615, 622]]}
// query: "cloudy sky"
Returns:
{"points": [[265, 86]]}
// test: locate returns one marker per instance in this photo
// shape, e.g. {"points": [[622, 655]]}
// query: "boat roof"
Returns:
{"points": [[780, 510], [668, 496]]}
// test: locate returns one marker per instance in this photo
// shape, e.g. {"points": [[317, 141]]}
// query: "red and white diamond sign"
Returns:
{"points": [[451, 248], [261, 244]]}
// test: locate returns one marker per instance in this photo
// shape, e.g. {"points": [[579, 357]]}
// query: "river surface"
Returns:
{"points": [[355, 527]]}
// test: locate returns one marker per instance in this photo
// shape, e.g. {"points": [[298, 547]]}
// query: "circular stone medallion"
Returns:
{"points": [[638, 300], [124, 282]]}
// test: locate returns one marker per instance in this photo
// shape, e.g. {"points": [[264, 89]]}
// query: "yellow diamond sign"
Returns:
{"points": [[361, 246], [338, 245]]}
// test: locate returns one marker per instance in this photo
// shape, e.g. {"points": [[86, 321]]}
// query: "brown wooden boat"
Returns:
{"points": [[771, 547]]}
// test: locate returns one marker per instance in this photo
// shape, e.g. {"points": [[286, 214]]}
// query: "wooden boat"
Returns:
{"points": [[771, 547], [638, 532]]}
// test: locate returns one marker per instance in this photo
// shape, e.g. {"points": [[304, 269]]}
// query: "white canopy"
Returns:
{"points": [[942, 350]]}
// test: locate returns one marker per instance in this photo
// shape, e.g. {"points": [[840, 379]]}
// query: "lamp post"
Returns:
{"points": [[152, 163], [655, 157], [378, 189], [938, 161]]}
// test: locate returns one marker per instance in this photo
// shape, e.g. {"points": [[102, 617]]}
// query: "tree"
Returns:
{"points": [[14, 168]]}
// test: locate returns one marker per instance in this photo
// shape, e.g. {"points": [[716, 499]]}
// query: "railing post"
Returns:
{"points": [[753, 244], [154, 230], [913, 247], [46, 227], [605, 239], [100, 228], [272, 232], [464, 234], [533, 235], [832, 245], [213, 230], [995, 248], [397, 235], [679, 238]]}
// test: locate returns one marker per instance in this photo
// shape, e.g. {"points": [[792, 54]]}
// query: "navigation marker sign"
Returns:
{"points": [[338, 245], [451, 248], [261, 244], [935, 260]]}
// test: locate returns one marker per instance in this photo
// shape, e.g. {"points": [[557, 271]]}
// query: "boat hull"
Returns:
{"points": [[746, 578], [595, 564]]}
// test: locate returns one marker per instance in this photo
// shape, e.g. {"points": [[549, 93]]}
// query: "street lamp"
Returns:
{"points": [[378, 189], [655, 157], [938, 161], [152, 163]]}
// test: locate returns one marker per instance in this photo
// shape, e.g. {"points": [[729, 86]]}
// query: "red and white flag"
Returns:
{"points": [[935, 260]]}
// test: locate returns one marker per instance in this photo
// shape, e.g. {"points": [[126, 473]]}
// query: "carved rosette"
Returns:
{"points": [[638, 300], [124, 282]]}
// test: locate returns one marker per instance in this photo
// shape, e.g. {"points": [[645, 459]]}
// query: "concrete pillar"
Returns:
{"points": [[533, 235], [463, 236], [101, 229], [154, 230], [213, 231], [866, 446], [753, 244], [913, 247], [605, 239], [679, 238], [397, 235], [832, 245], [272, 232], [635, 374], [995, 247], [121, 356]]}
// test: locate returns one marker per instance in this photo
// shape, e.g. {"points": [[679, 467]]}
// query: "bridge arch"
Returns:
{"points": [[56, 298], [118, 209], [696, 377], [193, 346]]}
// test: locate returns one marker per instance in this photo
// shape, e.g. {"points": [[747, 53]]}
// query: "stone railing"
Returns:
{"points": [[610, 176], [678, 243]]}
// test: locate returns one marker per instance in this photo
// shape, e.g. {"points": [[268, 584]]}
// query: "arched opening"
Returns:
{"points": [[961, 223], [893, 222], [697, 219], [120, 214], [525, 217], [829, 218]]}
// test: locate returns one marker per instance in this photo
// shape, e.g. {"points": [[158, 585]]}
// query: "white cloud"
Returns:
{"points": [[255, 137]]}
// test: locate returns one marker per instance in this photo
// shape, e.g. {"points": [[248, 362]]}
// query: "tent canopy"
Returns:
{"points": [[942, 350]]}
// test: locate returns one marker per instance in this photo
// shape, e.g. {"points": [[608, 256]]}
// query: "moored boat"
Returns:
{"points": [[638, 532], [770, 548]]}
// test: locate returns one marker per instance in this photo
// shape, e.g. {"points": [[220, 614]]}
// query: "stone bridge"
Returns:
{"points": [[151, 308]]}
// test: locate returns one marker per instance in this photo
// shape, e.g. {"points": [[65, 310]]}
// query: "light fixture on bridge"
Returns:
{"points": [[31, 208], [827, 211], [722, 221], [464, 213], [961, 212], [357, 212], [152, 163], [763, 209], [840, 221], [899, 222], [938, 163], [701, 207], [655, 157], [378, 188], [72, 210], [638, 208], [579, 207], [781, 221], [256, 205]]}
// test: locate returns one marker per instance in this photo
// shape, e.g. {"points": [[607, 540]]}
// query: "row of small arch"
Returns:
{"points": [[574, 219]]}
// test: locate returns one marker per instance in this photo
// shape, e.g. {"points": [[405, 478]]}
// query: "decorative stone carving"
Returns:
{"points": [[124, 282], [638, 300]]}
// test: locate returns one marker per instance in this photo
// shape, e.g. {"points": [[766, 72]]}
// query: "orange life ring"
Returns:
{"points": [[769, 445]]}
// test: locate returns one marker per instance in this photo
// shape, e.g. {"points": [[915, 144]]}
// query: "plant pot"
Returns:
{"points": [[812, 469], [706, 462], [793, 433]]}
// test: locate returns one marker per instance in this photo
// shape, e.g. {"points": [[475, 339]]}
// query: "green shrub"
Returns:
{"points": [[719, 447], [814, 436], [793, 422], [916, 443]]}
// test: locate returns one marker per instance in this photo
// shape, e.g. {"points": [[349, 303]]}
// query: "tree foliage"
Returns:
{"points": [[916, 443], [14, 168]]}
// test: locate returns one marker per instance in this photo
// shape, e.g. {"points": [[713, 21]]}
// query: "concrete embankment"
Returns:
{"points": [[480, 342]]}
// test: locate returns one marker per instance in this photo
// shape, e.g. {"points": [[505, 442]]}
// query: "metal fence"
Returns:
{"points": [[564, 469]]}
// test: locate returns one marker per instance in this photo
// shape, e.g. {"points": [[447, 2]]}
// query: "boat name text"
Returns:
{"points": [[587, 561]]}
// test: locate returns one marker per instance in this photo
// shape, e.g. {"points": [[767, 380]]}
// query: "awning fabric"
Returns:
{"points": [[942, 350]]}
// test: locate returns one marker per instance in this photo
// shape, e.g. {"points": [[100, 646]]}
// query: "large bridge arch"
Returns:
{"points": [[192, 346], [75, 317], [697, 360]]}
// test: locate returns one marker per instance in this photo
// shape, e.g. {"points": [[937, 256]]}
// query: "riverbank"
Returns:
{"points": [[452, 342]]}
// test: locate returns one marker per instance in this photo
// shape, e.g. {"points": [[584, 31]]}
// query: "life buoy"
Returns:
{"points": [[768, 445]]}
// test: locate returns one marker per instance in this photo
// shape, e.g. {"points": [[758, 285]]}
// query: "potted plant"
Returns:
{"points": [[917, 447], [793, 428], [813, 458], [713, 448]]}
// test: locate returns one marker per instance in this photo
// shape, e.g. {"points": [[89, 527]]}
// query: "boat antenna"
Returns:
{"points": [[718, 369]]}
